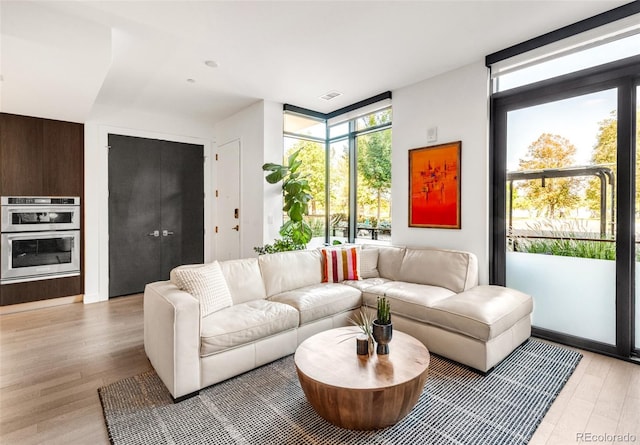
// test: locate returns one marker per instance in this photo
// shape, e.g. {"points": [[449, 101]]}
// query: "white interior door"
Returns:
{"points": [[228, 202]]}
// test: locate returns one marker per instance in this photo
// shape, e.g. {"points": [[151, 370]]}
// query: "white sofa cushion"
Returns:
{"points": [[454, 270], [244, 279], [369, 263], [366, 283], [320, 300], [407, 299], [286, 271], [483, 312], [389, 261], [244, 323], [208, 285]]}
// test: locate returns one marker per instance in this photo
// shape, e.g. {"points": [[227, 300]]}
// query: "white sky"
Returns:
{"points": [[576, 119]]}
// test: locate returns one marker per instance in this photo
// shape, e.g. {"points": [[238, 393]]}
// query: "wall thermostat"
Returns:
{"points": [[432, 134]]}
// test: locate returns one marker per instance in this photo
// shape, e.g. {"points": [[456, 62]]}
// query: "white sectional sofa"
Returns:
{"points": [[278, 300]]}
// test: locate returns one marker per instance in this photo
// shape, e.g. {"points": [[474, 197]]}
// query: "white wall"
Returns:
{"points": [[457, 104], [259, 130], [96, 200], [273, 152]]}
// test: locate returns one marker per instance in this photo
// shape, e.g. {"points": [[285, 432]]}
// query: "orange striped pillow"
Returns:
{"points": [[340, 264]]}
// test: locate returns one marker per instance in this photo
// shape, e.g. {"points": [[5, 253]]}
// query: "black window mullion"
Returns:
{"points": [[625, 233], [497, 206], [327, 185], [352, 181], [635, 348]]}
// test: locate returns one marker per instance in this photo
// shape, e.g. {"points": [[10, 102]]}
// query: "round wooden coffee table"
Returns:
{"points": [[360, 392]]}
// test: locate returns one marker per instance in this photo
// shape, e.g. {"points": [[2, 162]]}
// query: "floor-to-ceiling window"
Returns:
{"points": [[338, 186], [306, 134], [373, 178], [565, 209], [347, 156]]}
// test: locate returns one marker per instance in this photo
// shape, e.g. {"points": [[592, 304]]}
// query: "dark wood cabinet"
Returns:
{"points": [[63, 156], [41, 290], [41, 157], [21, 162]]}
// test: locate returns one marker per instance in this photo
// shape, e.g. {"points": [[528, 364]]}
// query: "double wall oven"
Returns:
{"points": [[40, 238]]}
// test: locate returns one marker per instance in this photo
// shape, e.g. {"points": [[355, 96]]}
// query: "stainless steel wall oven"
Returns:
{"points": [[40, 238]]}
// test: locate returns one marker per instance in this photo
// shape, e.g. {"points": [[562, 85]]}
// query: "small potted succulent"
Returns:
{"points": [[382, 327]]}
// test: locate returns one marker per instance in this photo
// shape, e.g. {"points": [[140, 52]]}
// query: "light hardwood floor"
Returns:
{"points": [[52, 361]]}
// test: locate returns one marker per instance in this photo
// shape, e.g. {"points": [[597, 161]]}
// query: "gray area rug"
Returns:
{"points": [[267, 406]]}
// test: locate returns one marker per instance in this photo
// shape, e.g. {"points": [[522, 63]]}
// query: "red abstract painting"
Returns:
{"points": [[434, 186]]}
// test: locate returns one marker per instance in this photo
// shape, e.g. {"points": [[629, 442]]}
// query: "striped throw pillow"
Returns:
{"points": [[340, 264], [208, 285]]}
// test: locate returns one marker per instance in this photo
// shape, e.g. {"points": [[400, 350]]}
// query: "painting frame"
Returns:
{"points": [[435, 186]]}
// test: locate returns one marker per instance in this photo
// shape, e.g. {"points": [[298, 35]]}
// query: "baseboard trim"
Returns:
{"points": [[93, 298], [32, 305]]}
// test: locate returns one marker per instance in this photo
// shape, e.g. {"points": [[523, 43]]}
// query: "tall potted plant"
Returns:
{"points": [[382, 327], [297, 194]]}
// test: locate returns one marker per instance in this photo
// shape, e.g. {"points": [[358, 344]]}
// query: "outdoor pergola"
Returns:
{"points": [[605, 175]]}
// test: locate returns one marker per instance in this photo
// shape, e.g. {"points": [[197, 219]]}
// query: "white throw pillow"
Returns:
{"points": [[369, 263], [173, 277], [208, 285]]}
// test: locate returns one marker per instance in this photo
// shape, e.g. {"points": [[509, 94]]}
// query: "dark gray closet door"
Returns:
{"points": [[182, 209], [156, 210]]}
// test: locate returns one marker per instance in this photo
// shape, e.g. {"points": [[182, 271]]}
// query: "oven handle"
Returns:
{"points": [[43, 209], [43, 234]]}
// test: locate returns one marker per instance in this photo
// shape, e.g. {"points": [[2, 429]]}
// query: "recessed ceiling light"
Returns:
{"points": [[211, 63], [191, 80], [330, 95]]}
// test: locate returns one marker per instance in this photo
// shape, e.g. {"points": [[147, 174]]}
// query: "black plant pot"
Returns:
{"points": [[382, 334]]}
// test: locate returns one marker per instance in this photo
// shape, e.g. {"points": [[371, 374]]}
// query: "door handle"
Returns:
{"points": [[155, 233], [236, 228], [167, 232]]}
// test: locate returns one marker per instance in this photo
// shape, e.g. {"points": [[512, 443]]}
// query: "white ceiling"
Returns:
{"points": [[81, 60]]}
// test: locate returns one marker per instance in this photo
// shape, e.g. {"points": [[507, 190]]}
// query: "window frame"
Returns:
{"points": [[623, 75], [351, 136]]}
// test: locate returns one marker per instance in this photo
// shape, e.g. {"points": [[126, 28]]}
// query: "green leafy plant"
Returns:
{"points": [[296, 192], [564, 238], [384, 311], [280, 245]]}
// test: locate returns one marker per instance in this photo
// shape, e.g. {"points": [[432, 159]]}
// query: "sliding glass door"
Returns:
{"points": [[561, 199], [566, 206]]}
